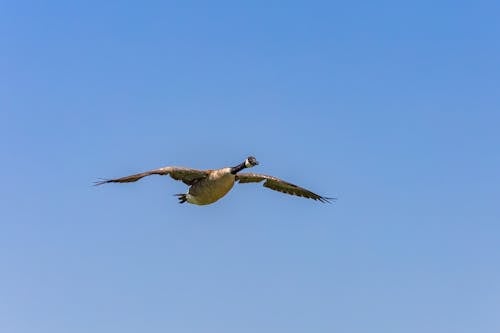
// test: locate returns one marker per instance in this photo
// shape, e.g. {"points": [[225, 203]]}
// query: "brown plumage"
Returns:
{"points": [[208, 186], [280, 185]]}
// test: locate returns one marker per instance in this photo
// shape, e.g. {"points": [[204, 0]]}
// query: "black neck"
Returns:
{"points": [[238, 168]]}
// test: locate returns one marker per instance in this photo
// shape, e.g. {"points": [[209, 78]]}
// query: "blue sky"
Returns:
{"points": [[392, 107]]}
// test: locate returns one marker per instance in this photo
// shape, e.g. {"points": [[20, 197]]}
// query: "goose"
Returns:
{"points": [[208, 186]]}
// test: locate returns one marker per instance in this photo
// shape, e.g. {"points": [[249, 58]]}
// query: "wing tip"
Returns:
{"points": [[326, 199], [102, 181]]}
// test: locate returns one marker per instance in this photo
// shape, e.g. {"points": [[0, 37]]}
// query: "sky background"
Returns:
{"points": [[391, 106]]}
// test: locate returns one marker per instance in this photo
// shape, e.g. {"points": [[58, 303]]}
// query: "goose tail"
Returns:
{"points": [[182, 197]]}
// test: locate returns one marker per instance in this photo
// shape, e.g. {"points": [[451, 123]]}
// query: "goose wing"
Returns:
{"points": [[186, 175], [280, 185]]}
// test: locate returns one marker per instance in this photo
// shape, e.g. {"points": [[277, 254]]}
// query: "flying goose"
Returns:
{"points": [[208, 186]]}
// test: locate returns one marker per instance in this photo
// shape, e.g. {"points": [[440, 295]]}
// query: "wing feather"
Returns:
{"points": [[280, 185], [186, 175]]}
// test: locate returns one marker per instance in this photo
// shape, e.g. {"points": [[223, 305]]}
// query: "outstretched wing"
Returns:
{"points": [[280, 185], [186, 175]]}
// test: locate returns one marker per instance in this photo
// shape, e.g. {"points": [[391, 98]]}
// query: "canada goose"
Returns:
{"points": [[208, 186]]}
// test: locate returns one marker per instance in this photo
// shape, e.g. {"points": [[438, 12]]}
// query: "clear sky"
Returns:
{"points": [[391, 106]]}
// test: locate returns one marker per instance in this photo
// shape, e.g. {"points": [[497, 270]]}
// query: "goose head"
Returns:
{"points": [[251, 162]]}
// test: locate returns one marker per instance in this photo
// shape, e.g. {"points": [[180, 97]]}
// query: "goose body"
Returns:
{"points": [[208, 186], [210, 189]]}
